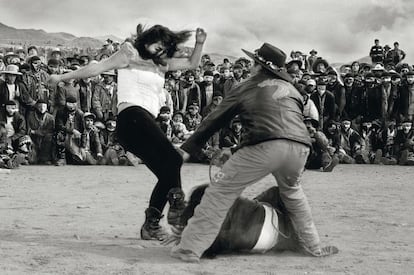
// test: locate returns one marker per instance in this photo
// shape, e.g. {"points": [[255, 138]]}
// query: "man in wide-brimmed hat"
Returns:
{"points": [[14, 89], [104, 97], [275, 141]]}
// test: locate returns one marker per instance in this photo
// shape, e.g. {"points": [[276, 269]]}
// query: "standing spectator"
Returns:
{"points": [[66, 89], [234, 80], [406, 98], [355, 68], [388, 58], [104, 98], [325, 103], [37, 78], [389, 95], [191, 90], [207, 89], [320, 66], [86, 88], [397, 54], [12, 89], [217, 98], [312, 58], [353, 97], [338, 90], [376, 53], [372, 98], [41, 127]]}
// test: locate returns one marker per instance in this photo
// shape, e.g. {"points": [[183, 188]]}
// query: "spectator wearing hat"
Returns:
{"points": [[32, 51], [114, 154], [351, 144], [235, 79], [230, 137], [15, 125], [207, 89], [377, 52], [69, 129], [11, 58], [164, 121], [105, 97], [192, 117], [370, 133], [372, 98], [56, 53], [190, 89], [404, 143], [91, 147], [387, 142], [14, 89], [397, 54], [37, 80], [337, 89], [180, 132], [325, 102], [312, 58], [406, 98], [41, 128], [389, 95], [22, 54], [320, 157], [353, 99], [355, 68], [65, 89], [320, 65]]}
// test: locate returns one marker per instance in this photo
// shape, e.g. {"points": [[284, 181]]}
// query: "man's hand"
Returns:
{"points": [[76, 133], [201, 36], [186, 156]]}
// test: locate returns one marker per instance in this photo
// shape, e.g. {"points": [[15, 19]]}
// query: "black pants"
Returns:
{"points": [[139, 134]]}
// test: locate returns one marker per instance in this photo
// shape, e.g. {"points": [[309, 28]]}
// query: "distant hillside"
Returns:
{"points": [[110, 36], [13, 36]]}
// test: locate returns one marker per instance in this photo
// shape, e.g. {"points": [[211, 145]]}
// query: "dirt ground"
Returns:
{"points": [[85, 220]]}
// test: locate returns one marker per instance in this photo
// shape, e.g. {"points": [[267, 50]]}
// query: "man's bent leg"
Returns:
{"points": [[291, 192], [245, 167]]}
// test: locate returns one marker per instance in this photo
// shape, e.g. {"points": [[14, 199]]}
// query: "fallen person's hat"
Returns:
{"points": [[272, 59]]}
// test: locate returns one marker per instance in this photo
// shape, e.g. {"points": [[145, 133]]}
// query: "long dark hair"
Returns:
{"points": [[158, 33]]}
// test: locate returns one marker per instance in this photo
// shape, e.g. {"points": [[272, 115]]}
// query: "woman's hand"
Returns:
{"points": [[201, 36]]}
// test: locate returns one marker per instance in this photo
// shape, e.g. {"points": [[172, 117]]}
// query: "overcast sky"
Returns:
{"points": [[341, 31]]}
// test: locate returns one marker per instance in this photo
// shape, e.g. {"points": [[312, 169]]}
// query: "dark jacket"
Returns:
{"points": [[62, 117], [95, 146], [19, 126], [338, 91], [372, 99], [25, 100], [404, 101], [327, 110], [353, 101], [268, 108], [44, 126]]}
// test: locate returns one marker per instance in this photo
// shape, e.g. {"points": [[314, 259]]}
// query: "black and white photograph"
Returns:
{"points": [[206, 137]]}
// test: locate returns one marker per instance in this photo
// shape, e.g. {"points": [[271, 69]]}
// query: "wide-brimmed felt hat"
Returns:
{"points": [[313, 121], [272, 59], [319, 61], [56, 50], [11, 69], [313, 51]]}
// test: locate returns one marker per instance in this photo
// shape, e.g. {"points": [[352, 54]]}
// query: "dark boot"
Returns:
{"points": [[151, 229], [176, 198]]}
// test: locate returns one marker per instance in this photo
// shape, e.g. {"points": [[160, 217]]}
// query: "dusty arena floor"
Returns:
{"points": [[85, 220]]}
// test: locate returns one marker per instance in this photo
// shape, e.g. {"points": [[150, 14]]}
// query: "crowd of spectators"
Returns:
{"points": [[357, 113]]}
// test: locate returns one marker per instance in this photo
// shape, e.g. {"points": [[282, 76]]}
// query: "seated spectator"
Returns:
{"points": [[192, 118], [91, 148], [352, 145], [404, 143], [320, 156], [388, 134], [114, 154], [191, 90], [15, 124], [231, 137], [41, 128], [372, 140], [8, 159], [164, 121], [69, 129], [180, 132]]}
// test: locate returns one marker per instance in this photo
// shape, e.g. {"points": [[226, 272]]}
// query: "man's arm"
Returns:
{"points": [[194, 60], [216, 120]]}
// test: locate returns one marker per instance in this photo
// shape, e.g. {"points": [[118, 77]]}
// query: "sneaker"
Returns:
{"points": [[184, 255]]}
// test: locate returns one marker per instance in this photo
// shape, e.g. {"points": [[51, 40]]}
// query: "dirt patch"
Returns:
{"points": [[86, 220]]}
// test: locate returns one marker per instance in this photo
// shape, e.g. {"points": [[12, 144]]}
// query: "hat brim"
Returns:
{"points": [[7, 72], [281, 74], [108, 74]]}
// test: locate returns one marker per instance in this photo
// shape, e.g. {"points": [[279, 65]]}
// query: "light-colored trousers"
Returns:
{"points": [[285, 160]]}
